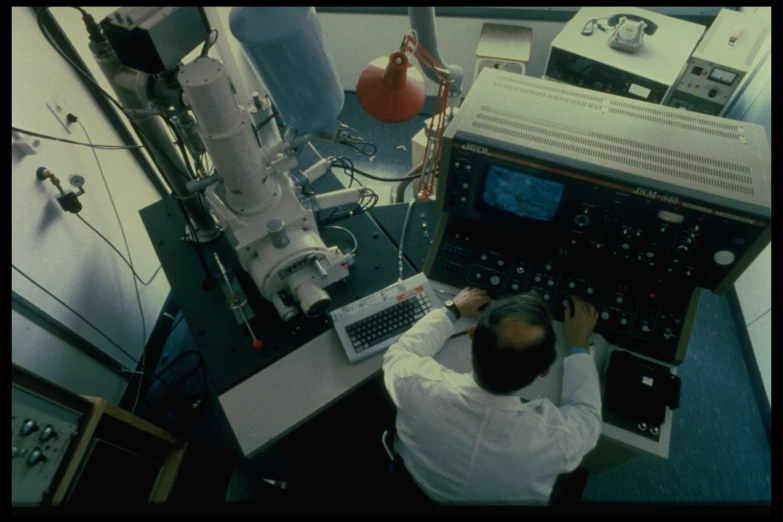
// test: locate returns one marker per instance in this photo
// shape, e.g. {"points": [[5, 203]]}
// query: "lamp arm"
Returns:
{"points": [[423, 23]]}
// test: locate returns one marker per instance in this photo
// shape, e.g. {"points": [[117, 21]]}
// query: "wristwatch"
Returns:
{"points": [[451, 307]]}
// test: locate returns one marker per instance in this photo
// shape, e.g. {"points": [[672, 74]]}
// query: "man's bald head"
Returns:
{"points": [[512, 344]]}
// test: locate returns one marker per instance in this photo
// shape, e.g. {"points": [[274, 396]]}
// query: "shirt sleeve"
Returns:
{"points": [[413, 353], [580, 407]]}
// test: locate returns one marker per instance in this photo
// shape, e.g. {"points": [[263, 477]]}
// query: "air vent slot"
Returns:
{"points": [[671, 123], [524, 85], [679, 115], [559, 140], [569, 98], [699, 161]]}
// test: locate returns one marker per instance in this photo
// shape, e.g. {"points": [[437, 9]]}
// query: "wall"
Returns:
{"points": [[753, 287], [53, 247]]}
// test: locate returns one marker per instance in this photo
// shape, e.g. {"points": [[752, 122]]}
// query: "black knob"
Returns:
{"points": [[712, 93]]}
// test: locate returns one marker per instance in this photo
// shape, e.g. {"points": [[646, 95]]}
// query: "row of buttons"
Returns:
{"points": [[454, 267], [457, 251]]}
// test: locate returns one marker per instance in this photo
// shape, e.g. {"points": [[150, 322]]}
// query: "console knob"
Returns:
{"points": [[571, 285], [494, 280], [465, 185], [724, 257], [590, 291], [565, 303], [625, 246], [551, 282], [28, 427], [623, 321], [546, 297], [14, 451], [520, 269], [654, 430], [48, 433], [483, 257], [548, 266], [501, 263], [604, 315], [642, 426], [515, 287], [582, 220], [35, 457], [645, 328], [619, 300], [538, 279]]}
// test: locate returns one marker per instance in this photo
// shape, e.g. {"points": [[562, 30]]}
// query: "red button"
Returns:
{"points": [[257, 344], [652, 296]]}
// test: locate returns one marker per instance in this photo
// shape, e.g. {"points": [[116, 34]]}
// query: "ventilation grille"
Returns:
{"points": [[550, 94], [698, 161], [641, 110], [614, 149]]}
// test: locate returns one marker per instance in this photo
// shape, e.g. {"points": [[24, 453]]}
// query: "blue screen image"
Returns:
{"points": [[521, 194]]}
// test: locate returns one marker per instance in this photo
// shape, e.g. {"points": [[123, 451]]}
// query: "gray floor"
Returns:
{"points": [[720, 454]]}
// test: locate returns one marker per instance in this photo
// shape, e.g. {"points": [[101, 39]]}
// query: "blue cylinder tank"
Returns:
{"points": [[286, 49]]}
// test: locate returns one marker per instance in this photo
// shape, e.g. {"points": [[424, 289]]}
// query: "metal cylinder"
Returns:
{"points": [[209, 95], [312, 298], [285, 47], [155, 138], [277, 233], [226, 134]]}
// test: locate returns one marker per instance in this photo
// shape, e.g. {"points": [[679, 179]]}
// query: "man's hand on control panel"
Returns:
{"points": [[580, 320], [472, 302]]}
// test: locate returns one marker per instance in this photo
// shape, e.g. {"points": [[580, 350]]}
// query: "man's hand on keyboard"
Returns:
{"points": [[472, 302]]}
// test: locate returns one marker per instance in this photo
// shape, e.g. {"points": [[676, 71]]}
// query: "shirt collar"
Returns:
{"points": [[467, 385]]}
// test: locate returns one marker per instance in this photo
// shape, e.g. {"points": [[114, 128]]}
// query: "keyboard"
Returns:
{"points": [[370, 325]]}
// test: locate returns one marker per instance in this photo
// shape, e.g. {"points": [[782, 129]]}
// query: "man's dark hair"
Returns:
{"points": [[505, 369]]}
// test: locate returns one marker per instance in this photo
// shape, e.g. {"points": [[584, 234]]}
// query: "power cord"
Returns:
{"points": [[77, 314], [353, 237], [63, 140], [119, 254], [127, 248]]}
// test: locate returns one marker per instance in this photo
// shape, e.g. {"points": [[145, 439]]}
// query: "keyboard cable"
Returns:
{"points": [[402, 237]]}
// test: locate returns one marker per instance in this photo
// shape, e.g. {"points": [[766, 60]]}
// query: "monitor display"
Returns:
{"points": [[522, 194]]}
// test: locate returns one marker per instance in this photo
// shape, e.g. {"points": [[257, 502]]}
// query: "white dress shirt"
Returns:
{"points": [[462, 444]]}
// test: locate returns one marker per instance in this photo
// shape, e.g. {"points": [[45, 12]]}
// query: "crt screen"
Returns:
{"points": [[522, 194]]}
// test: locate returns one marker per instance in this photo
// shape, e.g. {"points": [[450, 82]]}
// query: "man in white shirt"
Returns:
{"points": [[468, 438]]}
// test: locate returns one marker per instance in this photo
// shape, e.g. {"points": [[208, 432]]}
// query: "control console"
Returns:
{"points": [[647, 316]]}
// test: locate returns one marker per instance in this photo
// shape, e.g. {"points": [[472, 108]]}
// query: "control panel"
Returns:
{"points": [[642, 315], [570, 68], [705, 87], [731, 49], [623, 228], [41, 432]]}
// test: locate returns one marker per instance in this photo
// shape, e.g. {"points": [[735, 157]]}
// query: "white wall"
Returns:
{"points": [[53, 247], [753, 287]]}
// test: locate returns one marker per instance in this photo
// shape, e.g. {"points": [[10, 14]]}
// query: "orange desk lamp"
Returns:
{"points": [[397, 93]]}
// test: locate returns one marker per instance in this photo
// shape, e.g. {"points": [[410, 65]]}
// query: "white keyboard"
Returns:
{"points": [[370, 325]]}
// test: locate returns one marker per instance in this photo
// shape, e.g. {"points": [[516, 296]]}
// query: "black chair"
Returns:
{"points": [[567, 490]]}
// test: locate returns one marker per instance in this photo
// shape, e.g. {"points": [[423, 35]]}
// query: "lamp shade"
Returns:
{"points": [[390, 89]]}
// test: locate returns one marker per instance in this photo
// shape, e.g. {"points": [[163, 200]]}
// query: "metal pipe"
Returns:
{"points": [[153, 135], [423, 22]]}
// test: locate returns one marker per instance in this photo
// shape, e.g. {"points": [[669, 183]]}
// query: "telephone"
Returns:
{"points": [[628, 30]]}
